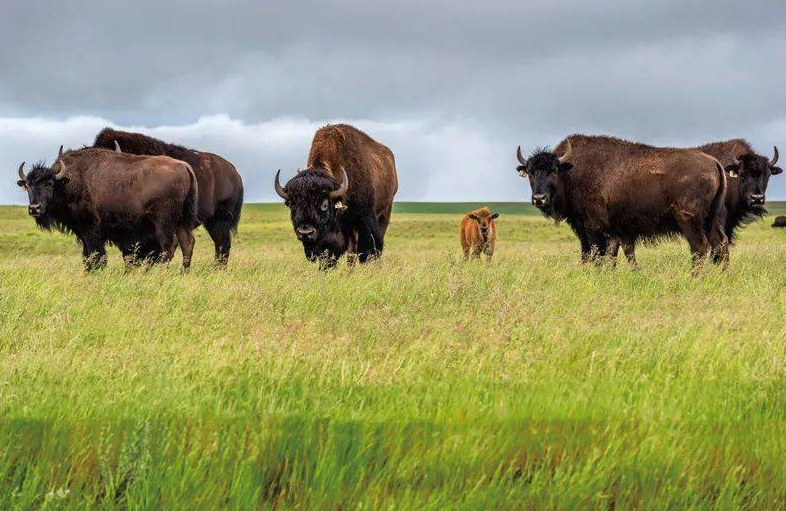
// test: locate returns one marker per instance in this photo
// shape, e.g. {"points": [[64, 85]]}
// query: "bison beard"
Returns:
{"points": [[221, 187], [608, 188], [342, 202]]}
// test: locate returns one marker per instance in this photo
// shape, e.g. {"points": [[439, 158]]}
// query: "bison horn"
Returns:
{"points": [[520, 157], [117, 147], [60, 153], [568, 152], [279, 189], [343, 188], [22, 171], [61, 173], [774, 159]]}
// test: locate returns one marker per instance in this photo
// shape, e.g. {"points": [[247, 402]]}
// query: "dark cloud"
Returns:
{"points": [[507, 72]]}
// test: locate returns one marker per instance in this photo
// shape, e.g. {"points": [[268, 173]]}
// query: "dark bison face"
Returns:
{"points": [[753, 174], [316, 202], [545, 170], [42, 184]]}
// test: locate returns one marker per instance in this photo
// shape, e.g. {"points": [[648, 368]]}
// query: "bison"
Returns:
{"points": [[138, 203], [220, 185], [604, 188], [780, 221], [343, 200], [748, 174], [479, 233]]}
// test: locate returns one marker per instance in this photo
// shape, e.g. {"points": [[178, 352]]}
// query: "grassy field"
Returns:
{"points": [[416, 382]]}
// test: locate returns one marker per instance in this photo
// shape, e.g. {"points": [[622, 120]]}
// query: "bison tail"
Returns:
{"points": [[190, 214], [236, 209], [720, 197]]}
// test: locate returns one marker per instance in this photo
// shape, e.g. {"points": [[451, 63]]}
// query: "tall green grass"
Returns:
{"points": [[416, 382]]}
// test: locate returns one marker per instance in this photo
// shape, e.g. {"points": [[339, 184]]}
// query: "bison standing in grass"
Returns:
{"points": [[141, 204], [220, 185], [343, 200], [479, 233], [607, 188], [780, 221], [748, 174]]}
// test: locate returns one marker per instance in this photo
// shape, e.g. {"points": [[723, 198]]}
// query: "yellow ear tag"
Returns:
{"points": [[522, 173], [340, 206]]}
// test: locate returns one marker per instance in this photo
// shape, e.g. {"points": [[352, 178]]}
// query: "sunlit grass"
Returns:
{"points": [[416, 382]]}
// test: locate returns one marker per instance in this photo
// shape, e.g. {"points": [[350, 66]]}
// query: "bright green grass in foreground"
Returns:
{"points": [[417, 382]]}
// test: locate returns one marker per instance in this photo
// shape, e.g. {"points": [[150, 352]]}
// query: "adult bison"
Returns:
{"points": [[343, 200], [748, 174], [606, 188], [220, 185], [135, 202]]}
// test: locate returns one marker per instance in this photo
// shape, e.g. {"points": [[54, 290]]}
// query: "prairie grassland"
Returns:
{"points": [[417, 382]]}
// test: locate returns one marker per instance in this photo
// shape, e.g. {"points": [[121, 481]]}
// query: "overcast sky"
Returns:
{"points": [[450, 86]]}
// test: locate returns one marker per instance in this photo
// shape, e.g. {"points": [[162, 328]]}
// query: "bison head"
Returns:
{"points": [[43, 186], [545, 171], [316, 201], [753, 174], [484, 219]]}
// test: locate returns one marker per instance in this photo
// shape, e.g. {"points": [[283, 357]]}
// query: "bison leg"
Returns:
{"points": [[598, 246], [93, 255], [220, 230], [370, 238], [613, 250], [352, 247], [629, 247], [186, 239]]}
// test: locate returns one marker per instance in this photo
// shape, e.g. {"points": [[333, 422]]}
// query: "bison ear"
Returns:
{"points": [[775, 170], [564, 167], [21, 184], [733, 169], [495, 215], [522, 170]]}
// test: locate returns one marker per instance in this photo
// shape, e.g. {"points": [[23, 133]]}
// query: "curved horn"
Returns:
{"points": [[117, 147], [521, 159], [22, 171], [343, 188], [774, 159], [60, 153], [568, 152], [60, 173], [279, 189]]}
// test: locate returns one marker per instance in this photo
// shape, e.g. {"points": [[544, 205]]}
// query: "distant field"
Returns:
{"points": [[417, 382]]}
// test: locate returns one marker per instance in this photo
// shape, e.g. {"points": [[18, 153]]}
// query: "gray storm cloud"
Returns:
{"points": [[451, 86]]}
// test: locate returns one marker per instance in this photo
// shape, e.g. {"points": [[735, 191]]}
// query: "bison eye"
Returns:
{"points": [[325, 205]]}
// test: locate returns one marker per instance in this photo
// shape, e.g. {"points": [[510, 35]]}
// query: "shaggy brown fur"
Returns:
{"points": [[611, 188], [479, 233], [750, 175], [141, 204], [220, 185], [357, 222]]}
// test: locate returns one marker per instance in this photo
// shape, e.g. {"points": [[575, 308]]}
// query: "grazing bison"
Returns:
{"points": [[479, 233], [220, 185], [343, 200], [138, 203], [607, 188], [747, 175], [780, 221]]}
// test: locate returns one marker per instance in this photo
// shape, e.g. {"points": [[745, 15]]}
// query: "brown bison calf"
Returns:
{"points": [[479, 233]]}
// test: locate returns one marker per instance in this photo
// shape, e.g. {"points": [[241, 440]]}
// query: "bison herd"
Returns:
{"points": [[146, 196]]}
